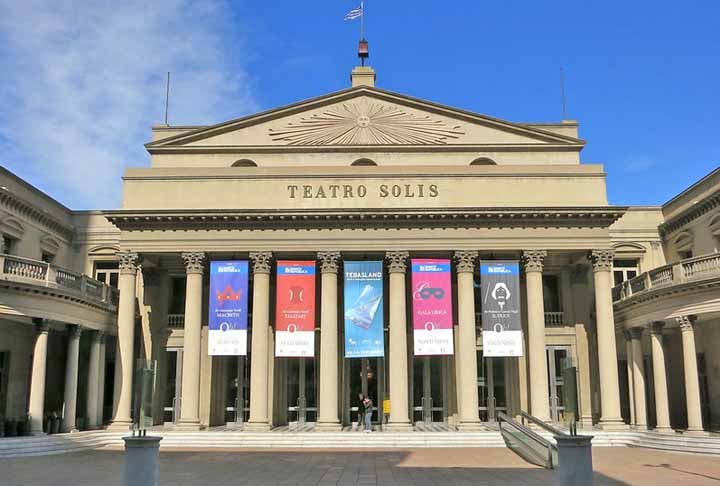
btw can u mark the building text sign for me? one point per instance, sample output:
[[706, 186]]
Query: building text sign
[[362, 191]]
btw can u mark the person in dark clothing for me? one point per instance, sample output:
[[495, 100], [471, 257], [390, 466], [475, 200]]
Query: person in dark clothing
[[368, 414], [361, 410]]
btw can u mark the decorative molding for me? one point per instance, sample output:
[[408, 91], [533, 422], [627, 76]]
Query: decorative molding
[[627, 335], [533, 260], [194, 262], [691, 213], [128, 262], [397, 261], [466, 218], [26, 209], [74, 331], [366, 123], [329, 261], [465, 261], [686, 323], [98, 337], [262, 261], [656, 327], [636, 332], [602, 260], [41, 325]]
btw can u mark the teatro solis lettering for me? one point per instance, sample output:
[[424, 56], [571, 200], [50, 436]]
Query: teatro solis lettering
[[349, 191]]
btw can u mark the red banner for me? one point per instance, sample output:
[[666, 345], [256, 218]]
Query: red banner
[[295, 309]]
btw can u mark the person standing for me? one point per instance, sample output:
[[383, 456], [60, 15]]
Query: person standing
[[360, 410], [368, 414]]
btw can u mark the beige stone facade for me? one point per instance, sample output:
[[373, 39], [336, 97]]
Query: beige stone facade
[[361, 174]]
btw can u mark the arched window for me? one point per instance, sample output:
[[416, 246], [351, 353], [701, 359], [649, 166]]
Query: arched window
[[483, 161], [244, 163], [715, 230], [684, 243], [365, 162]]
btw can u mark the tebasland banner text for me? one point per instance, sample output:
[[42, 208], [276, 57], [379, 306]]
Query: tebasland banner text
[[363, 310]]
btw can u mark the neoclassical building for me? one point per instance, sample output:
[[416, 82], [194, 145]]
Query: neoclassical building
[[628, 297]]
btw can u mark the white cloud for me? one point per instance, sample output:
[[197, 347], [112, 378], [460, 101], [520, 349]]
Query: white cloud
[[82, 82]]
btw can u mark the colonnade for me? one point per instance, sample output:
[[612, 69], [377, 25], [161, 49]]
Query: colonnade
[[95, 373], [636, 375], [396, 265]]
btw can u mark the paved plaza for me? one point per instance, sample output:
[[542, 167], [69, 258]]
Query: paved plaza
[[614, 466]]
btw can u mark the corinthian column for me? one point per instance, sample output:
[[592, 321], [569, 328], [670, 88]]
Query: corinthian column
[[93, 382], [328, 416], [128, 263], [692, 385], [192, 336], [262, 263], [36, 408], [602, 261], [537, 355], [631, 386], [662, 410], [638, 377], [71, 378], [397, 266], [466, 352]]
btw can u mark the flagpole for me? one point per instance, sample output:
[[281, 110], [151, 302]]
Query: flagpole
[[362, 21]]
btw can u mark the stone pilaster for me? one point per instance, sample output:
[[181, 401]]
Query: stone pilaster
[[93, 381], [262, 265], [662, 409], [71, 379], [398, 362], [36, 409], [692, 384], [638, 377], [328, 418]]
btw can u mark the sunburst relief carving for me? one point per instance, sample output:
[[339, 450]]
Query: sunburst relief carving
[[366, 124]]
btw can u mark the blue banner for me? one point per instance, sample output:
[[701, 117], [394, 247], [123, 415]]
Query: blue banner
[[364, 322], [228, 319]]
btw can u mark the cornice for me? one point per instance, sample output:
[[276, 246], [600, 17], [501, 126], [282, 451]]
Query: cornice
[[693, 212], [28, 210], [158, 220]]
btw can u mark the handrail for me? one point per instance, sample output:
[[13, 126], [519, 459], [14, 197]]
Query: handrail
[[530, 433], [541, 424], [527, 452]]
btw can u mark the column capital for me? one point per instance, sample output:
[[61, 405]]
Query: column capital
[[397, 261], [533, 260], [74, 331], [465, 260], [194, 262], [329, 261], [602, 260], [41, 325], [262, 261], [656, 327], [636, 332], [128, 262], [98, 336], [627, 335], [151, 277], [686, 323]]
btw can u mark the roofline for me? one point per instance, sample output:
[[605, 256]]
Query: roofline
[[693, 186], [33, 188]]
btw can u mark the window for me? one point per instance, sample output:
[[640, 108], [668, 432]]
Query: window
[[625, 269], [8, 245], [177, 296], [684, 243], [483, 161], [47, 257], [107, 272], [364, 162], [244, 163], [551, 293]]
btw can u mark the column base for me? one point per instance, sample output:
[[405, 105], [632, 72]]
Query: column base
[[328, 427], [188, 425], [256, 427], [613, 424], [664, 430], [398, 427], [695, 432], [119, 426]]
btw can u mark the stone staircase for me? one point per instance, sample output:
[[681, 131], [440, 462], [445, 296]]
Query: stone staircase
[[219, 439]]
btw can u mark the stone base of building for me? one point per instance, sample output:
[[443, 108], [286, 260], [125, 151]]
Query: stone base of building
[[189, 426], [398, 427], [256, 427], [470, 427], [119, 426], [328, 427], [612, 425], [664, 430], [695, 432]]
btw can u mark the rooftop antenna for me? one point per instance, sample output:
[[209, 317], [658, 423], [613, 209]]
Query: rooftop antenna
[[167, 97], [562, 92]]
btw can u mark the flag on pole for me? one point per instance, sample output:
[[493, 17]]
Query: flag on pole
[[355, 13]]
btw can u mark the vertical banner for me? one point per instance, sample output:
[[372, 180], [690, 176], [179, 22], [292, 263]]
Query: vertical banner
[[364, 336], [502, 329], [227, 322], [432, 307], [295, 310]]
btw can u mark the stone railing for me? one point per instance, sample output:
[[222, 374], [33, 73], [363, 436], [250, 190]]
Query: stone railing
[[684, 271], [45, 274], [176, 321]]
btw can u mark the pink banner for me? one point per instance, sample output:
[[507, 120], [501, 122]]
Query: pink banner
[[432, 307]]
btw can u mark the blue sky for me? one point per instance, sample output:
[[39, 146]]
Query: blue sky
[[80, 87]]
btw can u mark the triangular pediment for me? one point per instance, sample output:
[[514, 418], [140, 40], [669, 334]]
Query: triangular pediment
[[364, 116]]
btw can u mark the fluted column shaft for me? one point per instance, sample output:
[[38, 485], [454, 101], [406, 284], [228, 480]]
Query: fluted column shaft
[[466, 351], [537, 355], [71, 378], [192, 338], [36, 407], [128, 263], [262, 263], [607, 349], [328, 416], [692, 384], [397, 266], [662, 410], [638, 377]]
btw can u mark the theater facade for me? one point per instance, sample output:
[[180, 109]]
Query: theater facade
[[275, 266]]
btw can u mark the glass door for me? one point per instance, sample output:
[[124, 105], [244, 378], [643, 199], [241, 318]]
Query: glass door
[[173, 386], [492, 396], [301, 386], [366, 376], [237, 394], [429, 389], [558, 358]]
